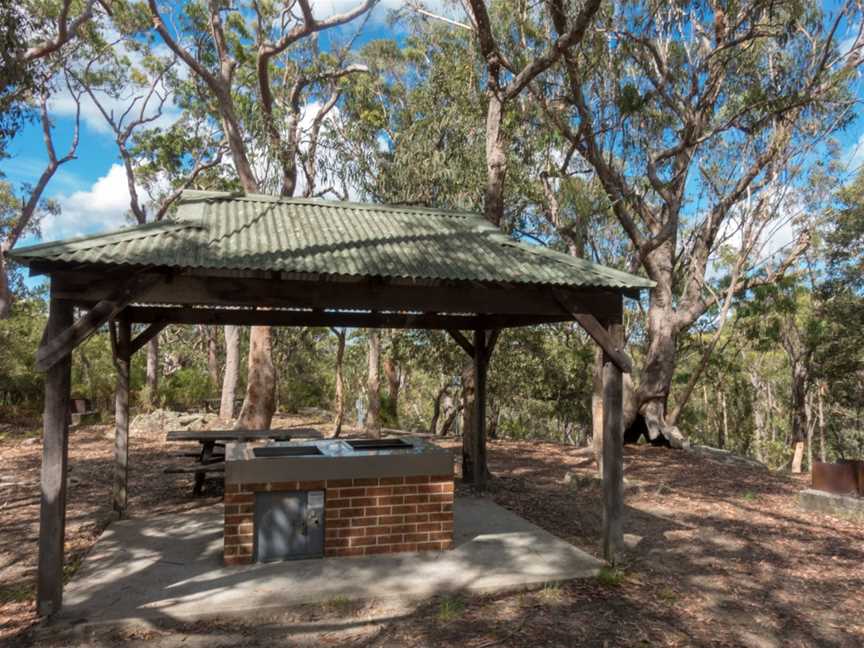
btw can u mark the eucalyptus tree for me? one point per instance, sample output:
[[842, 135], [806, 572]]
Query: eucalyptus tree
[[839, 358], [701, 121], [260, 64], [163, 148]]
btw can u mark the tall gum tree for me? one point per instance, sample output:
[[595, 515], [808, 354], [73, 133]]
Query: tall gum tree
[[264, 36], [130, 87], [697, 119]]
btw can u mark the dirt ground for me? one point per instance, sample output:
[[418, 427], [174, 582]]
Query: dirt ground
[[719, 555]]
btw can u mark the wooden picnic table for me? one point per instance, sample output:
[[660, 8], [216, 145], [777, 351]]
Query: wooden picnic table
[[209, 461]]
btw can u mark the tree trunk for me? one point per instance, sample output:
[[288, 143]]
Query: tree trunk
[[597, 410], [467, 420], [373, 385], [260, 402], [391, 372], [5, 290], [758, 418], [232, 372], [212, 355], [492, 431], [451, 418], [659, 368], [340, 383], [799, 414], [436, 409], [821, 414], [808, 410], [496, 159], [723, 432], [153, 369]]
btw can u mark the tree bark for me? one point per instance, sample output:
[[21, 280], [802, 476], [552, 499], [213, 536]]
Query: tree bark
[[153, 369], [468, 412], [436, 409], [212, 354], [821, 414], [260, 402], [391, 372], [659, 368], [450, 420], [496, 159], [232, 372], [340, 383], [5, 289], [722, 432], [808, 409], [759, 417], [373, 385], [597, 410]]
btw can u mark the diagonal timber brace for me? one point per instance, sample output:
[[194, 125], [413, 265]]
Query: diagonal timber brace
[[51, 351], [599, 334], [145, 336], [462, 341]]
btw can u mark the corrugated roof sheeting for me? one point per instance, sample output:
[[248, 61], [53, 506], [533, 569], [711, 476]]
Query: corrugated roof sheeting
[[225, 231]]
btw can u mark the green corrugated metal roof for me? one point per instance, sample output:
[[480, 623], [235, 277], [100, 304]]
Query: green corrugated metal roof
[[256, 232]]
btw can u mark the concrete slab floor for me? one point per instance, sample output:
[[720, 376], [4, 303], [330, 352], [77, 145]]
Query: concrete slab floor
[[170, 568]]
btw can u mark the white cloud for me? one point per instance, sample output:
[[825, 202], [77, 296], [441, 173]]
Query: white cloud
[[326, 8], [100, 208]]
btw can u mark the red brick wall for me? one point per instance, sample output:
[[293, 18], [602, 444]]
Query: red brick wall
[[363, 516]]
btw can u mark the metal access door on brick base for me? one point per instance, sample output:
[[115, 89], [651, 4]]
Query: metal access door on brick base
[[289, 525]]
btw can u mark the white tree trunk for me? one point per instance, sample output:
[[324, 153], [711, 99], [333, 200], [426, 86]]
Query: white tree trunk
[[232, 372]]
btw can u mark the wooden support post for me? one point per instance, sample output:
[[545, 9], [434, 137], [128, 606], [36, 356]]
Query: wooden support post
[[478, 445], [613, 450], [55, 450], [122, 361]]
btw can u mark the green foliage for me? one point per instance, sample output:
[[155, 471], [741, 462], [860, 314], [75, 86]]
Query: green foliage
[[450, 608], [19, 339], [185, 389], [610, 576], [17, 78]]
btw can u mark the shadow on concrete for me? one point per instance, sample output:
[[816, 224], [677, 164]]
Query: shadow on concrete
[[170, 568]]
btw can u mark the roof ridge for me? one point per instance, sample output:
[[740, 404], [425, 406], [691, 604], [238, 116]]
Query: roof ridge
[[194, 195]]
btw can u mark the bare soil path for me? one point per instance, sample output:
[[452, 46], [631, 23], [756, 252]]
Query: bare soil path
[[720, 556]]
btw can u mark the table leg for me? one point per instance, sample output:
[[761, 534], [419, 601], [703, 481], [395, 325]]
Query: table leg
[[206, 455]]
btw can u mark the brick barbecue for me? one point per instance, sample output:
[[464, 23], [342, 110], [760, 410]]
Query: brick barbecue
[[377, 496]]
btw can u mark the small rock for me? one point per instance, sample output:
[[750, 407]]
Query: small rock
[[631, 540]]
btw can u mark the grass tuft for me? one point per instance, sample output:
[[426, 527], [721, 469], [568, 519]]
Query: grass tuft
[[551, 592], [339, 604], [17, 593], [450, 607], [610, 576]]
